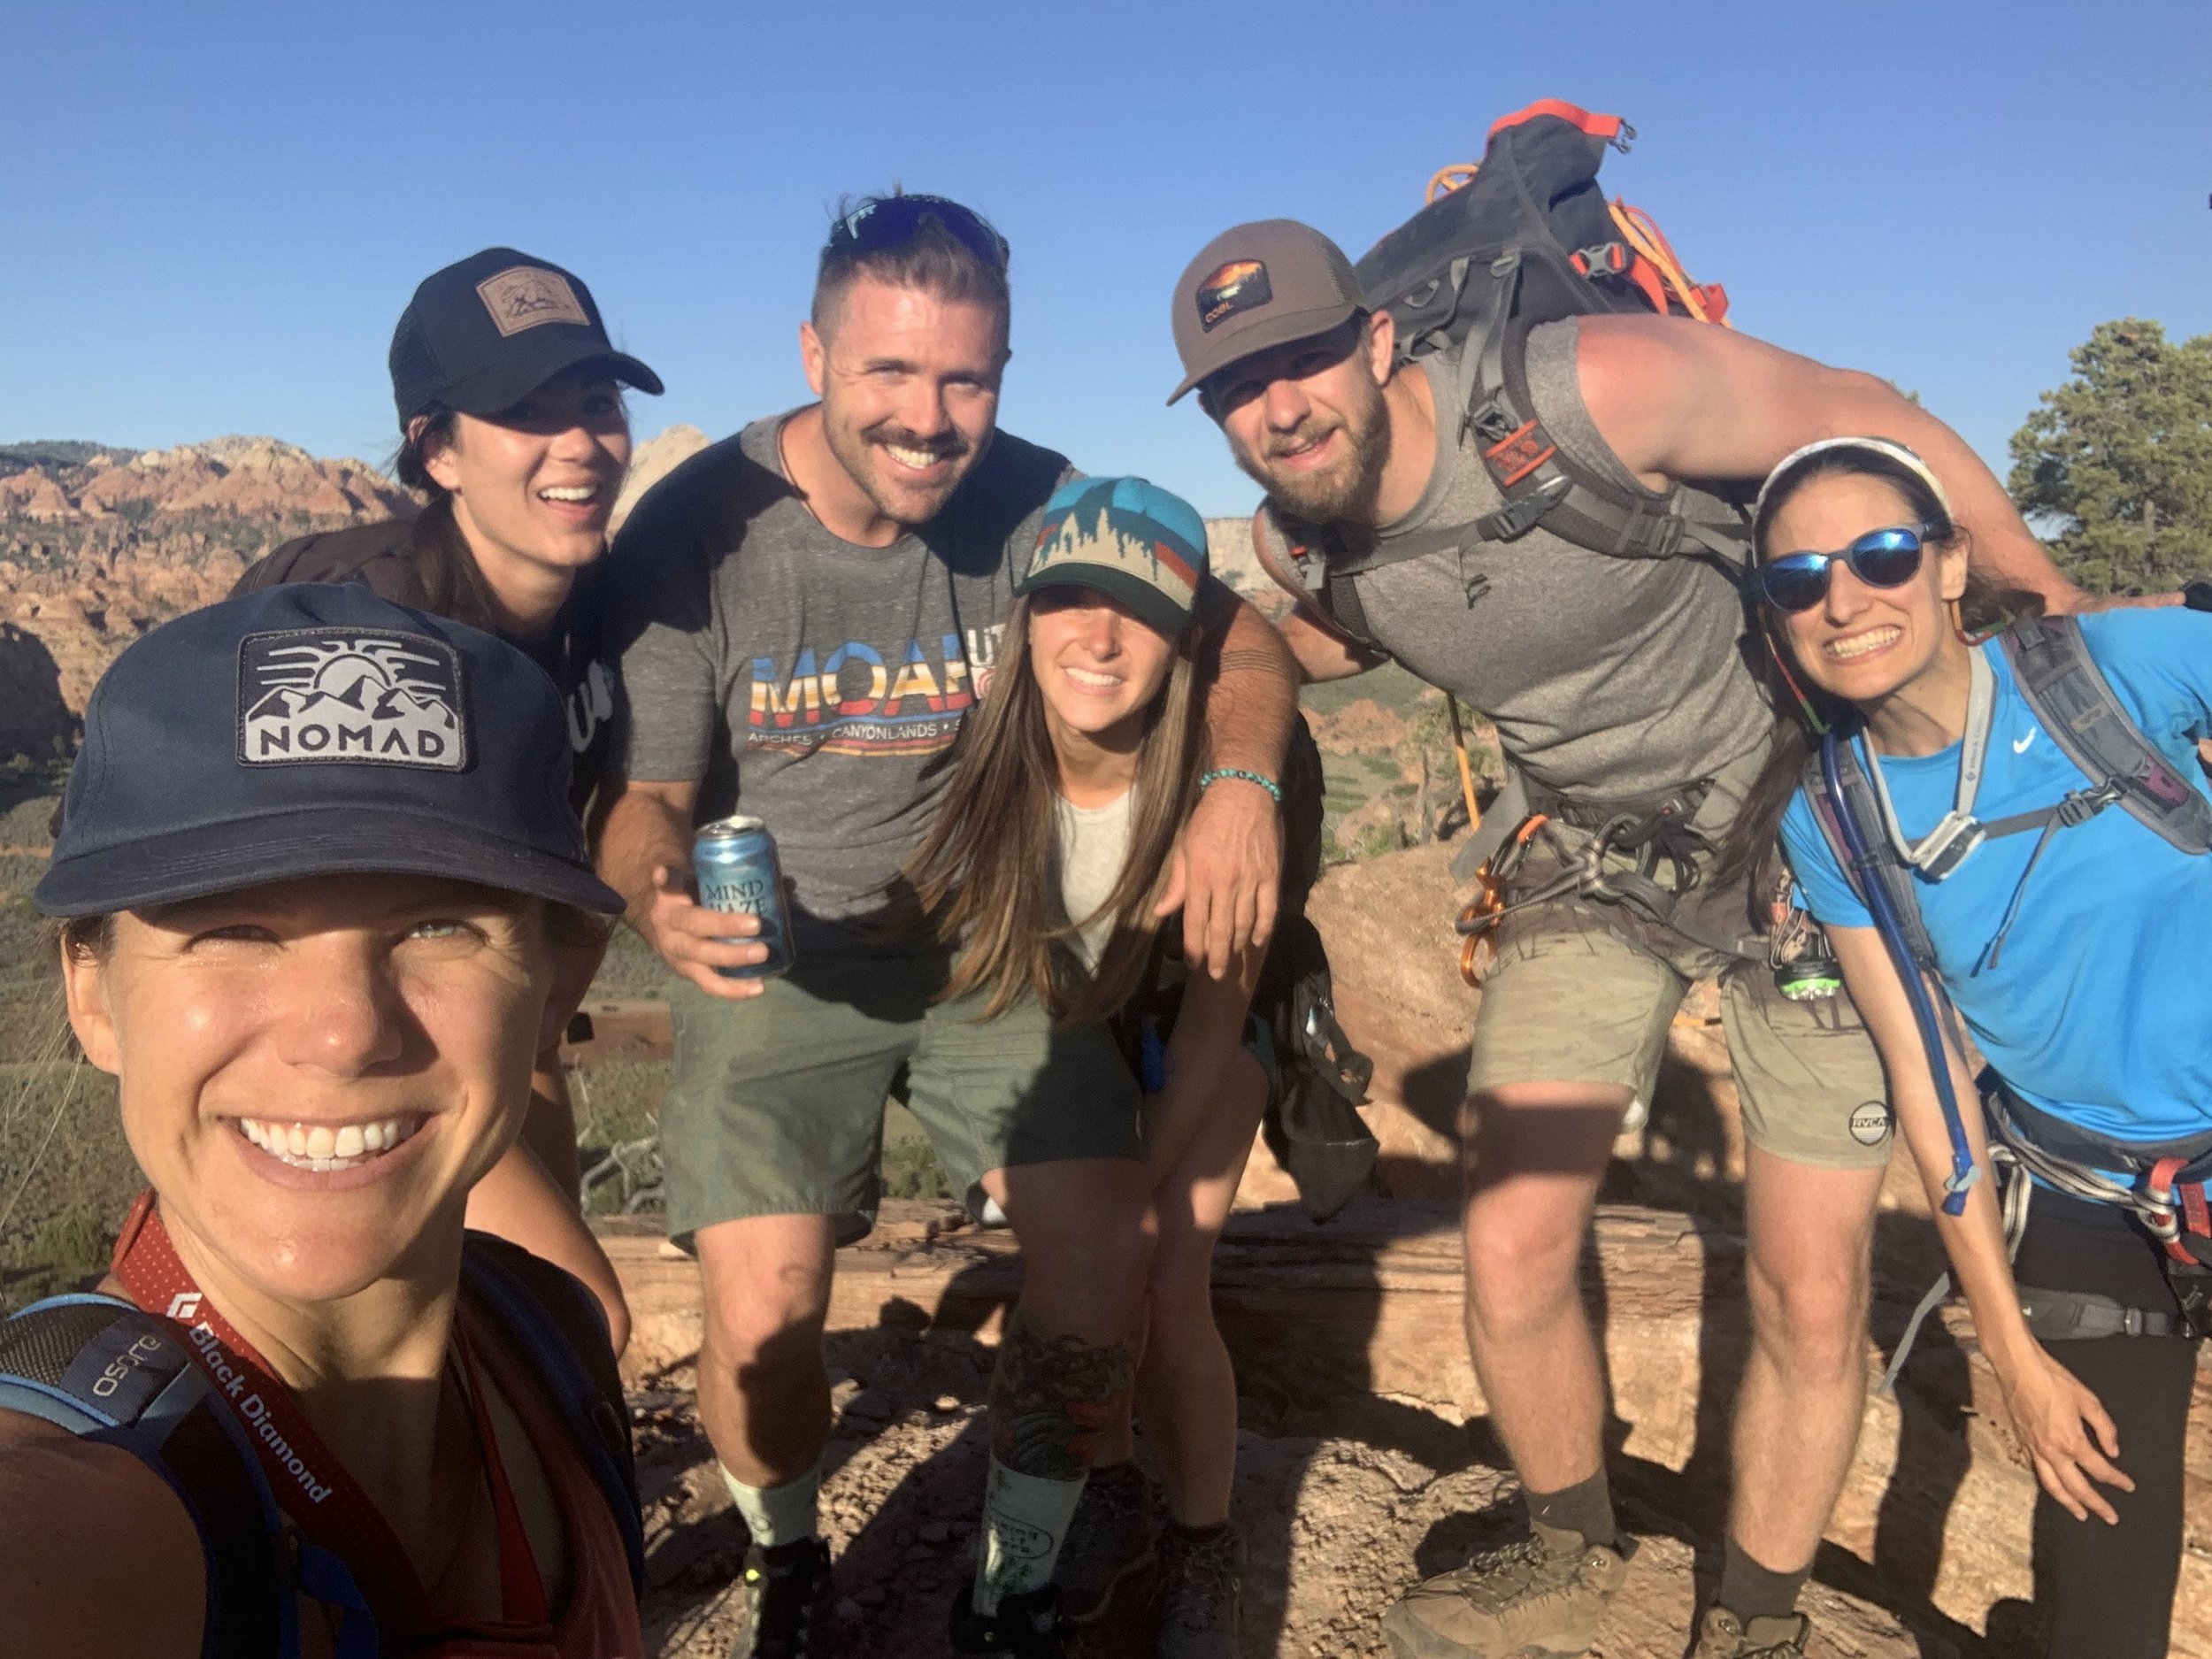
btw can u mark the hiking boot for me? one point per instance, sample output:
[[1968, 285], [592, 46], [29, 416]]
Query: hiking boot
[[1724, 1636], [1538, 1599], [1110, 1538], [789, 1605], [1201, 1585], [1025, 1626]]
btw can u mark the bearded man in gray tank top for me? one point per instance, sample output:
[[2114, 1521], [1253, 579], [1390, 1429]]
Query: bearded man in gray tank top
[[805, 613], [1619, 687]]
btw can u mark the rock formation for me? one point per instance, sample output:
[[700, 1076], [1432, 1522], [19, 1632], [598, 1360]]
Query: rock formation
[[97, 545]]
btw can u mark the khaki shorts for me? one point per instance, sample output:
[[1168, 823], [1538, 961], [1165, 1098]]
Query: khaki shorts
[[1584, 992], [776, 1104]]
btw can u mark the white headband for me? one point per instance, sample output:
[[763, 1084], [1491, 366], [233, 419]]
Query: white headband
[[1895, 451]]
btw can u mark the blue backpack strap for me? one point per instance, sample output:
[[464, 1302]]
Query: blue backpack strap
[[1843, 800], [2077, 705], [1853, 798], [108, 1371], [558, 1325]]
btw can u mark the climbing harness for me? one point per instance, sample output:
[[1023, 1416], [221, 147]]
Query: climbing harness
[[1608, 853]]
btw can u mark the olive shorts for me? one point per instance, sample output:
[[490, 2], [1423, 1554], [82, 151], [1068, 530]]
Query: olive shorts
[[1582, 992], [776, 1104]]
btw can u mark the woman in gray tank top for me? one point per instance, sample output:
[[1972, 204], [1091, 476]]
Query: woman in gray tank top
[[1046, 867]]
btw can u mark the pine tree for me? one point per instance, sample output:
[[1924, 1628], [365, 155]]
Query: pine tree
[[2118, 461]]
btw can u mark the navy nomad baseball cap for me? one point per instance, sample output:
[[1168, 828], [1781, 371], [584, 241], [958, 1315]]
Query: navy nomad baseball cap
[[313, 729], [482, 334]]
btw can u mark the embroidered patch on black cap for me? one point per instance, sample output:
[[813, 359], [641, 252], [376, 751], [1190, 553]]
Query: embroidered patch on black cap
[[524, 296], [1236, 286], [370, 695]]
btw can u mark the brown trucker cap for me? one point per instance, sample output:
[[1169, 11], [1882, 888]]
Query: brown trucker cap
[[1257, 286]]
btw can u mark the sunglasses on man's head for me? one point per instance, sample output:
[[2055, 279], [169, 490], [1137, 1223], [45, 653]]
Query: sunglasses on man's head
[[1880, 558], [890, 221]]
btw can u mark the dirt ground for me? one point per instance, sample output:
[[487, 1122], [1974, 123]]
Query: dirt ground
[[1343, 1502]]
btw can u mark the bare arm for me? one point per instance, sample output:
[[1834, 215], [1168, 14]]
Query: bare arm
[[641, 832], [2052, 1411], [521, 1203], [1677, 399], [1231, 856], [1209, 1030], [101, 1559], [1321, 653]]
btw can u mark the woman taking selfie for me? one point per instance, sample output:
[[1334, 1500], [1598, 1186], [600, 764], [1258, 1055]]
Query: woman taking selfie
[[319, 893], [1047, 866], [2035, 855], [513, 430]]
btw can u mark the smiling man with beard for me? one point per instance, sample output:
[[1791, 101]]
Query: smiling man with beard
[[806, 613], [1624, 699]]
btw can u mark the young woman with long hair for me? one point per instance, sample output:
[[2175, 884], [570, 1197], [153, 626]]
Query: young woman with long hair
[[320, 900], [2070, 942], [513, 433], [1047, 868]]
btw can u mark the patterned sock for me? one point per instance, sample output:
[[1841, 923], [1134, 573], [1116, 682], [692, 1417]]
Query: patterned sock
[[1585, 1507], [1024, 1522], [1750, 1591], [778, 1514]]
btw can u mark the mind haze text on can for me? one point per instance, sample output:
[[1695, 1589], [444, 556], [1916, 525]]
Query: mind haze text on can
[[734, 861]]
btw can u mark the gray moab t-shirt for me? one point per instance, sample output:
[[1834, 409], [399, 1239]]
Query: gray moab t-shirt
[[807, 681], [1608, 678]]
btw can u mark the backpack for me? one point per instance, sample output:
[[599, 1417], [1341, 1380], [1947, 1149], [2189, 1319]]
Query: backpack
[[1522, 238], [2071, 700], [1311, 1126], [107, 1370]]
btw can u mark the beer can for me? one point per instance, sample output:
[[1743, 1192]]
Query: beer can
[[734, 860]]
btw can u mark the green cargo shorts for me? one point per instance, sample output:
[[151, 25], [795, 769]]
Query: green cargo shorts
[[1584, 992], [776, 1104]]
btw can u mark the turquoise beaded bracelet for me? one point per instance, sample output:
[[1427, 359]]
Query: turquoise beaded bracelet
[[1219, 773]]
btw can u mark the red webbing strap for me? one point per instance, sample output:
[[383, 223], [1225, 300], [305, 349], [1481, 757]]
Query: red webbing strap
[[521, 1586], [1604, 127], [1520, 452], [311, 1485], [2159, 1184]]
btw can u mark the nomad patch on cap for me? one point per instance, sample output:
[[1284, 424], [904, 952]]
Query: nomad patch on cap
[[311, 695], [1128, 538], [315, 729]]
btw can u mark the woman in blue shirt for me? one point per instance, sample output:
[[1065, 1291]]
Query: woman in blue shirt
[[2080, 979]]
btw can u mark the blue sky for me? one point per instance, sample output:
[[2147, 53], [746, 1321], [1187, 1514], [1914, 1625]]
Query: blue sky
[[211, 216]]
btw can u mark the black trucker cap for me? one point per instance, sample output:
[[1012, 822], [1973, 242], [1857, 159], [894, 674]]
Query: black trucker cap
[[1256, 286], [481, 336], [311, 729]]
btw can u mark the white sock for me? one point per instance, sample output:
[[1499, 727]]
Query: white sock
[[1024, 1522], [778, 1514]]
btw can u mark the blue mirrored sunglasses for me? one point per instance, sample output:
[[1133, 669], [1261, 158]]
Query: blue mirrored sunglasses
[[1880, 558], [890, 221]]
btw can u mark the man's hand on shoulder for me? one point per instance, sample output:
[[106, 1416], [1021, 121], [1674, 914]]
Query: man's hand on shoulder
[[1225, 874]]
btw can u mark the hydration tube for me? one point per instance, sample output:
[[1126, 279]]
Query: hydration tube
[[1891, 928]]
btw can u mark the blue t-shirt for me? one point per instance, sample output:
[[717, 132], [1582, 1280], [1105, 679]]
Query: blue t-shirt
[[2099, 1007]]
